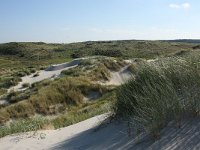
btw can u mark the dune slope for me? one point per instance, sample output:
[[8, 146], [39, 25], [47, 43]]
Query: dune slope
[[90, 135]]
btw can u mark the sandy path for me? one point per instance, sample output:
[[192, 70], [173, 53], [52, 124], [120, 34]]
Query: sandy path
[[86, 135]]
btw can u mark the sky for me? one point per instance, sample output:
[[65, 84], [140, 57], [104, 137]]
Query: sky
[[65, 21]]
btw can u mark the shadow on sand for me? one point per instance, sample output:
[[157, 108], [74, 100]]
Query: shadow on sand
[[107, 136], [113, 136]]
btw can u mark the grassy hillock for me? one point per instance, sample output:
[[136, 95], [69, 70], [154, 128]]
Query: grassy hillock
[[162, 91], [49, 98], [96, 69]]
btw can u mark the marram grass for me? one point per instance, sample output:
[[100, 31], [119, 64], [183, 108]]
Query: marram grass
[[160, 92]]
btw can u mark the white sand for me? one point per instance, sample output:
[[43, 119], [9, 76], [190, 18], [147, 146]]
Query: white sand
[[86, 135], [152, 60], [120, 77], [2, 102], [51, 72], [48, 139]]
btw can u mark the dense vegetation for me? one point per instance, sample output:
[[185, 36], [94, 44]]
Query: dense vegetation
[[161, 91], [129, 49]]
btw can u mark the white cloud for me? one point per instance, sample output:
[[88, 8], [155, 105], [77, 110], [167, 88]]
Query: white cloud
[[180, 6], [186, 5]]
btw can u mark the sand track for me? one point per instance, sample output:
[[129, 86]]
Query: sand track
[[95, 134]]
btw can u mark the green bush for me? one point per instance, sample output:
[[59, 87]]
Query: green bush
[[2, 91], [21, 110], [36, 74], [26, 85], [16, 96], [4, 116], [110, 53], [21, 74], [33, 70], [7, 82]]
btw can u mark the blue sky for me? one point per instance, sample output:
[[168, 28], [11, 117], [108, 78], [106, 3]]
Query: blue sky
[[67, 21]]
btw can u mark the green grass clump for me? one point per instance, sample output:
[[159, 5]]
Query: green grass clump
[[16, 96], [114, 65], [74, 72], [7, 82], [36, 74], [21, 74], [26, 85], [103, 105], [133, 68], [161, 91], [101, 73], [4, 116], [3, 91], [24, 125], [21, 110]]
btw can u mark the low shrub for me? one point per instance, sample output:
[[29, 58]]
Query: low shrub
[[42, 67], [110, 53], [2, 91], [4, 116], [21, 110], [16, 96], [33, 70], [36, 74], [26, 85], [7, 82], [21, 74]]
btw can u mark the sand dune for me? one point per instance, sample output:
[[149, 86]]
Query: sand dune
[[119, 77], [95, 134], [51, 72], [54, 71]]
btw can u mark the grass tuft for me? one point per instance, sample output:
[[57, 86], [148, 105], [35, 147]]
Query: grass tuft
[[161, 91]]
